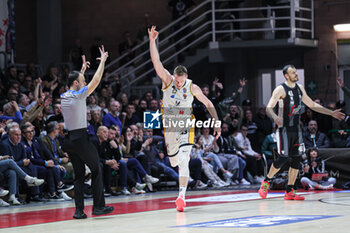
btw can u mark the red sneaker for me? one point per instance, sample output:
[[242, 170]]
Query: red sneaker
[[264, 188], [293, 196], [180, 203]]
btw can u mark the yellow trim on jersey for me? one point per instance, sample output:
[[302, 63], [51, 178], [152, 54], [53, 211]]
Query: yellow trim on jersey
[[172, 80], [191, 88], [191, 133]]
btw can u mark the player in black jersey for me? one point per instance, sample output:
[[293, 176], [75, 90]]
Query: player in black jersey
[[290, 145]]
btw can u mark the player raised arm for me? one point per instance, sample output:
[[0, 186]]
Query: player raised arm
[[197, 92], [319, 108], [99, 72], [277, 94], [164, 75]]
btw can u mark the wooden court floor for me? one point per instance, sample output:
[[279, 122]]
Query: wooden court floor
[[206, 211]]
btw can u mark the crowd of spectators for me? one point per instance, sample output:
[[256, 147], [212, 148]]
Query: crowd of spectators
[[133, 159]]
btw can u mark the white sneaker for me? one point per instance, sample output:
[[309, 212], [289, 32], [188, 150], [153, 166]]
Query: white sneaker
[[228, 175], [232, 183], [244, 182], [135, 190], [218, 184], [201, 185], [140, 186], [35, 182], [3, 192], [223, 183], [14, 201], [64, 196], [150, 179], [125, 191], [3, 203]]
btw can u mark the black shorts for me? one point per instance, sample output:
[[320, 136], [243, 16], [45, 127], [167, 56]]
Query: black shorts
[[288, 141]]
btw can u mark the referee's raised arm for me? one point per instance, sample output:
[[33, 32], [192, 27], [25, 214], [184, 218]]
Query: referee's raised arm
[[99, 72]]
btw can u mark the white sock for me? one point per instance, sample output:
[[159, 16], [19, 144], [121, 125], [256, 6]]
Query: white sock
[[28, 178], [12, 197], [182, 191]]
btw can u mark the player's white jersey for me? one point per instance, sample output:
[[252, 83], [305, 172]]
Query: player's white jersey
[[178, 102]]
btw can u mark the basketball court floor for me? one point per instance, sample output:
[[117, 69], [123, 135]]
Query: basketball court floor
[[206, 211]]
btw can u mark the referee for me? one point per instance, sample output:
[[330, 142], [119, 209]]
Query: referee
[[81, 151]]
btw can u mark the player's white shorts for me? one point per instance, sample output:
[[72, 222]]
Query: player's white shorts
[[175, 139]]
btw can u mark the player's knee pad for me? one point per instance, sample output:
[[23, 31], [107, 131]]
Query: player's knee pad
[[184, 158], [280, 162], [295, 164]]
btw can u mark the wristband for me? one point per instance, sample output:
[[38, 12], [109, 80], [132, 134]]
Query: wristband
[[45, 164], [60, 160]]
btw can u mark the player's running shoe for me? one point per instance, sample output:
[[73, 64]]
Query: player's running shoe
[[264, 188], [180, 203], [293, 196]]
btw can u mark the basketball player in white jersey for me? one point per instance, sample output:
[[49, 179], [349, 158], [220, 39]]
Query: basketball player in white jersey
[[178, 95]]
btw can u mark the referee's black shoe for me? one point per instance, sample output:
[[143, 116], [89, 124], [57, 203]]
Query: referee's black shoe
[[102, 210], [79, 214]]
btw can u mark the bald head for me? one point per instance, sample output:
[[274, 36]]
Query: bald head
[[15, 135], [102, 133]]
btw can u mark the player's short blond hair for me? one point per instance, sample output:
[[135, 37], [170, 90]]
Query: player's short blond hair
[[180, 70]]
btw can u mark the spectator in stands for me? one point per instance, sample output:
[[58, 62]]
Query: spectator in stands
[[50, 79], [252, 158], [92, 103], [133, 163], [12, 146], [235, 113], [10, 168], [197, 153], [150, 149], [315, 165], [39, 155], [269, 146], [10, 76], [252, 130], [116, 142], [96, 120], [313, 138], [109, 160], [23, 103], [154, 105], [39, 124], [142, 107], [31, 70], [52, 143], [224, 106], [209, 147], [11, 112], [28, 85], [264, 124], [112, 117], [229, 156], [148, 96], [57, 114], [130, 117], [339, 134]]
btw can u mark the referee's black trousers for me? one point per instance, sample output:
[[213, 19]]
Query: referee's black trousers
[[81, 151]]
